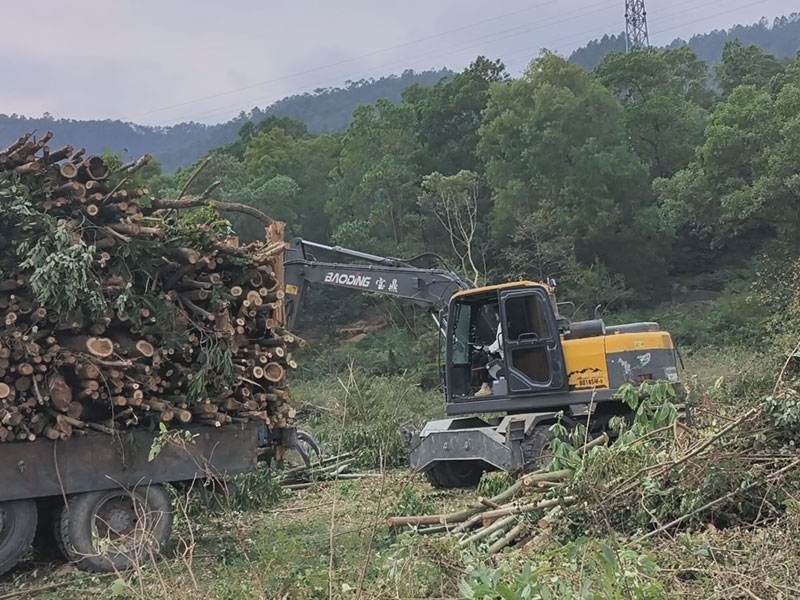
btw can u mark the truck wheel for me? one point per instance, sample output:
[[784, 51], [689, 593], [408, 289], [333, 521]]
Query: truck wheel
[[111, 530], [55, 525], [17, 528], [455, 474], [536, 449]]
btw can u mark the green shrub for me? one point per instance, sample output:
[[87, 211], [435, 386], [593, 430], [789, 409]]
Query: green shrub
[[388, 352], [258, 489], [581, 570], [362, 413], [412, 502], [493, 483]]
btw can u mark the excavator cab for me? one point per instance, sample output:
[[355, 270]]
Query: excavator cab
[[528, 357]]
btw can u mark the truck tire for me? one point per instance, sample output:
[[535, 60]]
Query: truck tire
[[129, 526], [536, 449], [17, 531], [455, 474], [55, 526]]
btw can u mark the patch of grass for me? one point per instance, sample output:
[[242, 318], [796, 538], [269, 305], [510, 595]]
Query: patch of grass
[[723, 380], [282, 552], [494, 482], [387, 352], [362, 413], [412, 501]]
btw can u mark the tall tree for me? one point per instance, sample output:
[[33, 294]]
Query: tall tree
[[449, 115], [745, 178], [745, 65], [285, 151], [666, 102], [456, 201], [555, 141], [376, 182]]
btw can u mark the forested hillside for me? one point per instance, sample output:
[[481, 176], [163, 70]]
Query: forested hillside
[[331, 109], [323, 110], [780, 38], [630, 184]]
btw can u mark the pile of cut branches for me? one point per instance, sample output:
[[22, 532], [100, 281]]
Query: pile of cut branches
[[660, 475], [119, 309], [326, 470]]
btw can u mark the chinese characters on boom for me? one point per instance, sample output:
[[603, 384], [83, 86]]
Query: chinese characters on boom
[[361, 281]]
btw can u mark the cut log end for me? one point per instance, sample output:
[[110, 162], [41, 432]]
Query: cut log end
[[273, 372], [100, 347], [145, 348]]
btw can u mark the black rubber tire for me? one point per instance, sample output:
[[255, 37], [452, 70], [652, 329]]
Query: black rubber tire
[[151, 510], [455, 474], [55, 524], [536, 449], [18, 530]]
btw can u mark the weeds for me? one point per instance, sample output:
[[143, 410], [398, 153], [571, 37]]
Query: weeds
[[583, 569], [374, 409], [411, 502], [493, 483], [263, 543]]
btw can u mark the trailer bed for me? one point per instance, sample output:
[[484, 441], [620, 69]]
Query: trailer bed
[[98, 461]]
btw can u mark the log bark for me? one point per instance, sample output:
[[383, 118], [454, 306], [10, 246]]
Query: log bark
[[60, 393], [137, 361], [525, 508], [509, 537]]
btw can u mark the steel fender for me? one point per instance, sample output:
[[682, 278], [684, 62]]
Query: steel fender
[[458, 423], [483, 444], [531, 420]]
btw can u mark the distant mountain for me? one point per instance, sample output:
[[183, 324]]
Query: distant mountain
[[324, 110], [330, 109], [781, 38]]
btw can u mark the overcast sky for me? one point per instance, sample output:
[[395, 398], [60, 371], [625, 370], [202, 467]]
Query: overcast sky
[[161, 62]]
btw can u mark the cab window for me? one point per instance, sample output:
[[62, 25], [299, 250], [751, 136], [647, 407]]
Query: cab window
[[526, 315], [461, 331]]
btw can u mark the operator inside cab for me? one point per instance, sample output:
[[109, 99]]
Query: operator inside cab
[[490, 352]]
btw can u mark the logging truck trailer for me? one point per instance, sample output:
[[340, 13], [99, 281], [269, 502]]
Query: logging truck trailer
[[543, 368], [105, 498]]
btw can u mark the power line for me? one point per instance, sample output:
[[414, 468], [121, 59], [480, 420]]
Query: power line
[[345, 61], [738, 8], [406, 62], [583, 36]]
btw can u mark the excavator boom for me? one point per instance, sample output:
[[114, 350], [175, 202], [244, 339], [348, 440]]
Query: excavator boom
[[428, 288]]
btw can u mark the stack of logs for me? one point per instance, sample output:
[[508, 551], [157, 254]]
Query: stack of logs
[[186, 330]]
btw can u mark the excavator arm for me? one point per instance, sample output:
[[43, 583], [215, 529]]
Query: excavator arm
[[428, 288]]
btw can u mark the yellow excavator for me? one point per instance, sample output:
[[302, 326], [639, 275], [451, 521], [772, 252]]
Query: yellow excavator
[[544, 368]]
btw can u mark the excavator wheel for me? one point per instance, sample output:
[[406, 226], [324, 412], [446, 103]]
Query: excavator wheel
[[17, 530], [536, 449], [455, 474]]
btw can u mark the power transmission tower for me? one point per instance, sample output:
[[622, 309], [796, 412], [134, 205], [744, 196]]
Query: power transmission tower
[[635, 25]]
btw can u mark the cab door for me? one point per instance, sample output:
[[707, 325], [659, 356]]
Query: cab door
[[533, 354]]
